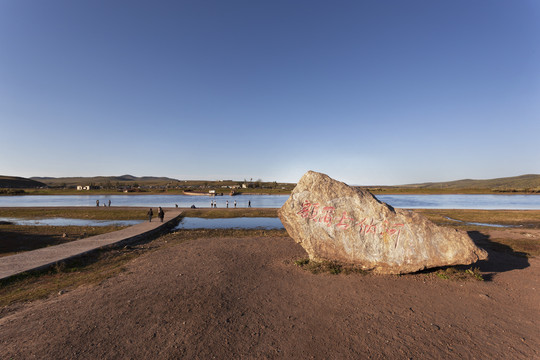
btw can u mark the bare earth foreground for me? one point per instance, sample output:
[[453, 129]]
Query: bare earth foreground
[[243, 297]]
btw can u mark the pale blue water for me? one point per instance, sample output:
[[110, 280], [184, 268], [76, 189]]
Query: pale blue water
[[481, 224], [480, 202], [486, 202], [230, 223], [261, 201], [186, 223], [70, 222]]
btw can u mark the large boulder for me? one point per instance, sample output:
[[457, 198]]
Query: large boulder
[[333, 221]]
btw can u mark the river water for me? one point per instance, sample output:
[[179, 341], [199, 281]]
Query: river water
[[231, 223], [486, 202]]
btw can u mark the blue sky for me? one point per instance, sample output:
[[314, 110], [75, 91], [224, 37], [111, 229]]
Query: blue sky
[[369, 92]]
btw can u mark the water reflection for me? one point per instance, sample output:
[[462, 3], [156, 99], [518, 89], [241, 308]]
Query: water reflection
[[481, 224], [69, 222], [266, 223], [184, 201], [485, 202], [479, 202]]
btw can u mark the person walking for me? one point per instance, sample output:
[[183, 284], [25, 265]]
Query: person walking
[[150, 213], [161, 214]]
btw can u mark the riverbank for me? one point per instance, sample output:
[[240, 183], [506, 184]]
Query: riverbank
[[520, 236]]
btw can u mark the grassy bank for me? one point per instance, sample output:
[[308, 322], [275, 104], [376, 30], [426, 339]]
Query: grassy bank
[[127, 213], [522, 218], [230, 213], [90, 213], [17, 238]]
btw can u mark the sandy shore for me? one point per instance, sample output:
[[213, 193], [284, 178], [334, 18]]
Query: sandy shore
[[244, 298]]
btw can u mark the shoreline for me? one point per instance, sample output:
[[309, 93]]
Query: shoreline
[[397, 191]]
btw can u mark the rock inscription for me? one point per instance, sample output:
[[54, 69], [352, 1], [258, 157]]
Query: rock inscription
[[333, 221]]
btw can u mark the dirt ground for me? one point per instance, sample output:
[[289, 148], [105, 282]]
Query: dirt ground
[[243, 298]]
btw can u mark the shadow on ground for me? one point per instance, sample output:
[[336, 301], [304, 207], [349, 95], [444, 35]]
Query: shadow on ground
[[501, 258], [13, 241]]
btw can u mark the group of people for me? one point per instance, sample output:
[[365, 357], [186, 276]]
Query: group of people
[[161, 214], [97, 203], [227, 204], [213, 204]]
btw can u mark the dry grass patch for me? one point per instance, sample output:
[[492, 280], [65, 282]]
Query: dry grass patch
[[453, 273], [329, 267], [18, 238], [90, 213], [230, 213], [521, 218], [87, 270]]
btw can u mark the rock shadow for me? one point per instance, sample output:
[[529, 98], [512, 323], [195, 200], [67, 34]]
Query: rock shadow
[[501, 258], [14, 242]]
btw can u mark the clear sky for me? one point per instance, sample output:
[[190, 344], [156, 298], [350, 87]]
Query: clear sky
[[369, 92]]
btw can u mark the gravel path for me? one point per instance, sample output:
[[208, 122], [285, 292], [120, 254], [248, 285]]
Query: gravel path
[[41, 258]]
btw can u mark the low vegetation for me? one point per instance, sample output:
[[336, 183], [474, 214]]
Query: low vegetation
[[89, 213], [453, 273], [230, 213], [335, 268], [329, 267], [521, 218]]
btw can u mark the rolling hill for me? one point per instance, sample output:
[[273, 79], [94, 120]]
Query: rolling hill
[[102, 180], [14, 182], [516, 183]]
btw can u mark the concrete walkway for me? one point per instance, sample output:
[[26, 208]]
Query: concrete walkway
[[44, 257]]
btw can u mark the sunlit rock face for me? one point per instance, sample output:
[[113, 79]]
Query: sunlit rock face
[[333, 221]]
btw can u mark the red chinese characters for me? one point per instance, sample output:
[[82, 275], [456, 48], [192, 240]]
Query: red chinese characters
[[366, 226], [327, 215]]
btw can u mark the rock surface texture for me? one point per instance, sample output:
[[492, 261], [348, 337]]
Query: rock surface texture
[[333, 221]]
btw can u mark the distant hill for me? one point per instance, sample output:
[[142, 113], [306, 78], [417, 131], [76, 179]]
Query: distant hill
[[529, 182], [14, 182], [102, 180]]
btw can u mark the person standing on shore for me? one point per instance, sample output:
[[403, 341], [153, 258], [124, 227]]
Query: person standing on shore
[[161, 214], [235, 204], [249, 203], [97, 203], [109, 202], [227, 204], [150, 213]]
